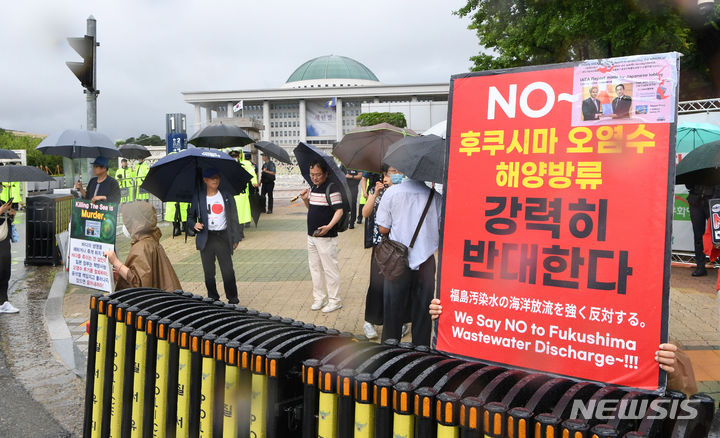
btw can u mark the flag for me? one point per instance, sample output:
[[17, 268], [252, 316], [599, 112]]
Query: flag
[[331, 103], [238, 106]]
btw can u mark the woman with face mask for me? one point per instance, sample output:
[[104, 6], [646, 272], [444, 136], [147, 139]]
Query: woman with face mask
[[374, 297], [146, 265]]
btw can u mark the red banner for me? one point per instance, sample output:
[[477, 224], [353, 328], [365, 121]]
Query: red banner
[[555, 250]]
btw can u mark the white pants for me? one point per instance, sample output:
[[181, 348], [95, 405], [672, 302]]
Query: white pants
[[324, 269]]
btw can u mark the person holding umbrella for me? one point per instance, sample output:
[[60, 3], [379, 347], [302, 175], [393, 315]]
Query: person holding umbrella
[[322, 238], [213, 216], [267, 180], [102, 187], [410, 214]]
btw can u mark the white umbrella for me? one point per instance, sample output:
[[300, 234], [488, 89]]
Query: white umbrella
[[437, 129]]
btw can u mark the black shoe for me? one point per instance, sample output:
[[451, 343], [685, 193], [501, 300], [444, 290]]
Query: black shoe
[[359, 221], [699, 272], [351, 226], [269, 212]]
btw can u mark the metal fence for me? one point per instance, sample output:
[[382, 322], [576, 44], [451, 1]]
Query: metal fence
[[180, 365]]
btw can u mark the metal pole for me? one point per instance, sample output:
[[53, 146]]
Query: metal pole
[[91, 99]]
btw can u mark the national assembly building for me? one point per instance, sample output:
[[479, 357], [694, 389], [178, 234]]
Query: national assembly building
[[319, 103]]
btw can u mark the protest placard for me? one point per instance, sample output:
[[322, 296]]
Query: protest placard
[[555, 251], [92, 232]]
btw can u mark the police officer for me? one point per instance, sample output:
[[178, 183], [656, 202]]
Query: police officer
[[141, 172], [125, 178]]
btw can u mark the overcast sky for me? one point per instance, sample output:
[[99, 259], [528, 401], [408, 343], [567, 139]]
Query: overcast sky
[[151, 51]]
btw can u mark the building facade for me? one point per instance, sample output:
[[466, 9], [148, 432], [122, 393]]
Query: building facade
[[320, 102]]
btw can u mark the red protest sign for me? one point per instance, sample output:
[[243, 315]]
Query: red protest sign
[[555, 251]]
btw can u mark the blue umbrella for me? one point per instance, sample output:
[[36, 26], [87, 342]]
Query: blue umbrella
[[305, 153], [177, 177], [78, 143]]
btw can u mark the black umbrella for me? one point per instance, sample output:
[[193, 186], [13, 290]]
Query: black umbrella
[[700, 166], [220, 136], [176, 177], [7, 154], [133, 151], [256, 203], [23, 174], [419, 158], [77, 143], [305, 153], [274, 151]]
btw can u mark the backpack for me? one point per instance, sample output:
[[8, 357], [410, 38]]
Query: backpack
[[344, 222]]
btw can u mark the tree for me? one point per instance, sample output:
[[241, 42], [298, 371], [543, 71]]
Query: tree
[[8, 140], [369, 119], [145, 140], [531, 32]]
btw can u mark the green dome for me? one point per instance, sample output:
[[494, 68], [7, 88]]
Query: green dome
[[332, 67]]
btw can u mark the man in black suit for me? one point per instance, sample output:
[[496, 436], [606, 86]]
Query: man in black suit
[[213, 216], [622, 103], [591, 107]]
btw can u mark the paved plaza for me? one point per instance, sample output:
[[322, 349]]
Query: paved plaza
[[273, 276]]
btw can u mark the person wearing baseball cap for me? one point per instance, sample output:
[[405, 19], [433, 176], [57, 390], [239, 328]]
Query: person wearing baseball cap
[[102, 187]]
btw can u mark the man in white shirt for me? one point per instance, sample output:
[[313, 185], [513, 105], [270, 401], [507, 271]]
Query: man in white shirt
[[398, 215], [214, 218]]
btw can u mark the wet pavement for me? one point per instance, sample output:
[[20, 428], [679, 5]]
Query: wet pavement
[[29, 357]]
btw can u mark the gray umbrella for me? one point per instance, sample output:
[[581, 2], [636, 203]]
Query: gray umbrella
[[133, 151], [420, 158], [7, 154], [220, 136], [23, 173], [77, 143]]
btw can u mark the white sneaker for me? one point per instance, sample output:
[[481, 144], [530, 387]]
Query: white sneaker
[[8, 308], [405, 329], [369, 330], [331, 307], [317, 305]]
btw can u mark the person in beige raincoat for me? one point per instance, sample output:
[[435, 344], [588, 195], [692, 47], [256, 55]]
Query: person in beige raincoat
[[146, 265]]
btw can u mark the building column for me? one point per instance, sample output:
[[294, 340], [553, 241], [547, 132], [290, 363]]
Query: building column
[[266, 120], [376, 100], [229, 109], [197, 121], [338, 119], [208, 115], [303, 125]]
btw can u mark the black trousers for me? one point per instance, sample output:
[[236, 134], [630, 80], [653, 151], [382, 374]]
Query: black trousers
[[413, 290], [699, 214], [374, 296], [353, 200], [267, 189], [218, 247], [5, 257]]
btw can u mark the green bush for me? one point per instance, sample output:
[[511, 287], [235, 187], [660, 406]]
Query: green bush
[[369, 119]]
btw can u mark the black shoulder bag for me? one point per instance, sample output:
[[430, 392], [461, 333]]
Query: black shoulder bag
[[392, 256]]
